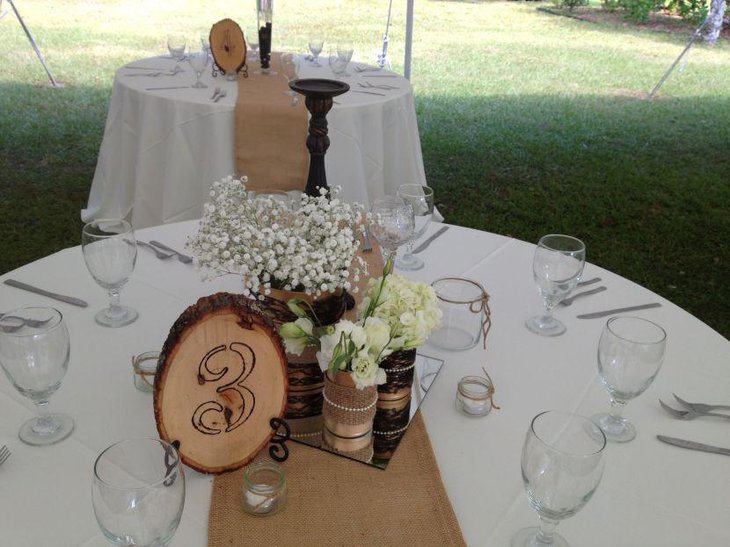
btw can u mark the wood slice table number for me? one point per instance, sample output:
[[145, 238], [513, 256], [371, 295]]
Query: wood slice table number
[[220, 380], [228, 46]]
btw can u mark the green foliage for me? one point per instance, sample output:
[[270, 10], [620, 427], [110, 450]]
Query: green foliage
[[691, 10], [694, 11], [570, 4]]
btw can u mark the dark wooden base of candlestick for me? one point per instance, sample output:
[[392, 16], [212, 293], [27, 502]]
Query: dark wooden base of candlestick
[[319, 94]]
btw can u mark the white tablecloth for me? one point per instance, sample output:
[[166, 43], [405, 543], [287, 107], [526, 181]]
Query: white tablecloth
[[651, 494], [162, 149]]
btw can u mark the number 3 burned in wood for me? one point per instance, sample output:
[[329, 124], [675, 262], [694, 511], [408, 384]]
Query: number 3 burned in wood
[[212, 417]]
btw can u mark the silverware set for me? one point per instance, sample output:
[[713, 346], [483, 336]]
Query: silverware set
[[218, 94], [157, 73], [690, 411], [368, 85], [163, 252]]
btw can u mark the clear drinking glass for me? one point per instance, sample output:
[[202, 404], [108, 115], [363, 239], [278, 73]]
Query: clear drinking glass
[[34, 355], [252, 40], [630, 354], [460, 301], [316, 43], [557, 267], [138, 492], [176, 46], [421, 199], [290, 69], [392, 225], [337, 65], [198, 60], [344, 53], [562, 465], [204, 35], [110, 253]]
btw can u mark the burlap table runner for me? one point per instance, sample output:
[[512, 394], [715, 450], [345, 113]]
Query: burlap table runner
[[270, 133], [335, 501]]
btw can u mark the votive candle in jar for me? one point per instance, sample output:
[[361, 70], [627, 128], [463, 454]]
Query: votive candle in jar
[[474, 396], [264, 488]]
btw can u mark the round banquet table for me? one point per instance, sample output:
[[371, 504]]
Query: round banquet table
[[651, 493], [163, 148]]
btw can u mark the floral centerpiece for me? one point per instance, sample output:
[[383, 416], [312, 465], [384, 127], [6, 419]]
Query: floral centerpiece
[[310, 247], [395, 314]]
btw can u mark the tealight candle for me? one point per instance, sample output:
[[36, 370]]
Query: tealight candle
[[474, 396], [264, 488]]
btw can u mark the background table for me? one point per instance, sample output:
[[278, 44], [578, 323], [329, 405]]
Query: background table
[[163, 149], [651, 494]]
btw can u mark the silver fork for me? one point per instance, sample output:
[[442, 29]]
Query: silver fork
[[162, 255], [700, 407], [4, 454], [690, 414], [568, 301]]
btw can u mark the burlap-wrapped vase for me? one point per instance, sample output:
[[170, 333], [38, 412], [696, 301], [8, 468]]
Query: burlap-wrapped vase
[[348, 414], [394, 403]]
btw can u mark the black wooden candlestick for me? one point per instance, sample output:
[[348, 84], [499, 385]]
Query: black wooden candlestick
[[319, 94]]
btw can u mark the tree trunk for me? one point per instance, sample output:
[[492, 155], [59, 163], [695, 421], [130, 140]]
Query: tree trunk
[[715, 20]]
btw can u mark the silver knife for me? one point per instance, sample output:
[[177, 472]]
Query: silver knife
[[181, 257], [55, 296], [606, 313], [692, 445], [368, 92], [159, 88], [422, 246]]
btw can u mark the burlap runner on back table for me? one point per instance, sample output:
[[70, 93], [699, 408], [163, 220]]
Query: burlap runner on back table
[[336, 501], [270, 133]]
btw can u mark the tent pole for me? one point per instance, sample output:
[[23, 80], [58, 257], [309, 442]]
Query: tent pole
[[54, 83], [409, 40]]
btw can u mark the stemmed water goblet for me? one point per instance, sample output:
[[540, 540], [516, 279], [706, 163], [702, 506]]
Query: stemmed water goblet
[[562, 465], [138, 492], [392, 225], [337, 64], [252, 39], [290, 68], [204, 35], [344, 53], [198, 60], [176, 46], [110, 253], [630, 354], [556, 267], [421, 199], [316, 43], [35, 359]]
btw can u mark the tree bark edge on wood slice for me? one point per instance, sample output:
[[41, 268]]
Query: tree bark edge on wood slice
[[220, 379]]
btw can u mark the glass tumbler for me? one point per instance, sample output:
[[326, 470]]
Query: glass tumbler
[[465, 313]]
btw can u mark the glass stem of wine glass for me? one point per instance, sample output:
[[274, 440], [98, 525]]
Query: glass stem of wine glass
[[617, 410], [389, 259], [45, 425], [114, 303], [546, 530]]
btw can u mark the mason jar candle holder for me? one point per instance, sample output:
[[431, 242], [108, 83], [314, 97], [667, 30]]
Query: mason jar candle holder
[[144, 366], [474, 396], [264, 488], [466, 314]]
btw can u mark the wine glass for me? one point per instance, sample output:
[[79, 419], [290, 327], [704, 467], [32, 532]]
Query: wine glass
[[252, 39], [198, 60], [204, 35], [110, 253], [392, 225], [562, 465], [290, 68], [316, 43], [138, 492], [421, 199], [34, 355], [344, 53], [176, 46], [557, 267], [630, 354], [337, 64]]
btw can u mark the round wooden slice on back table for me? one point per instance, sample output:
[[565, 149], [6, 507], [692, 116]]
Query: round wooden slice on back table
[[228, 46], [220, 379]]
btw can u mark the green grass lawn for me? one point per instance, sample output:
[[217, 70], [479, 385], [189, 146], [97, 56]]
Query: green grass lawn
[[530, 123]]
